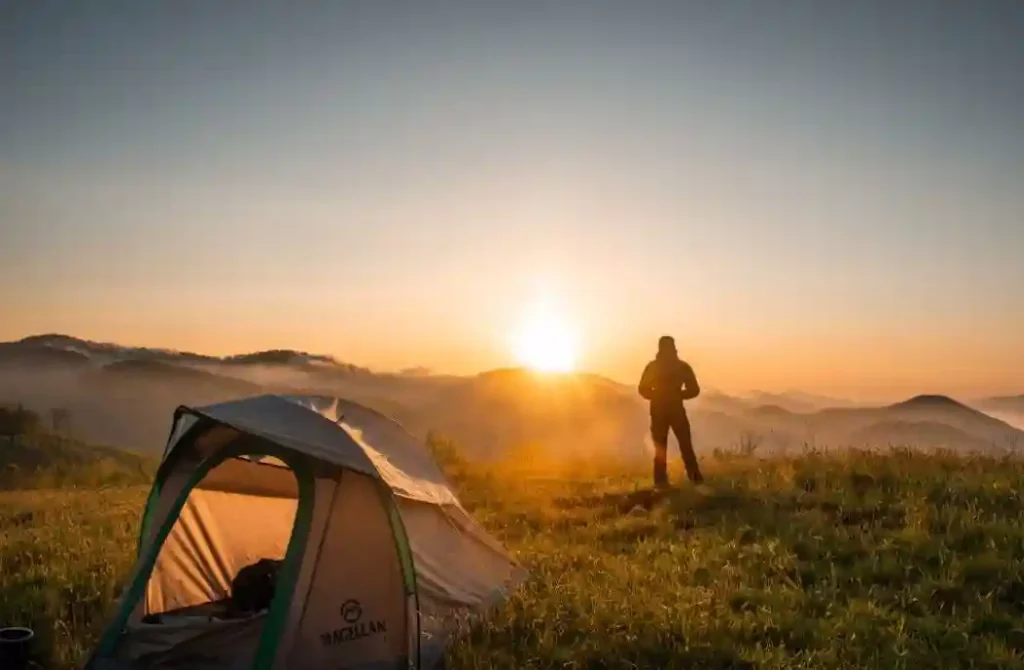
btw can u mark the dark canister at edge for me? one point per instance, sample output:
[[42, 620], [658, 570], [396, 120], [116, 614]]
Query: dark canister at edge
[[15, 647]]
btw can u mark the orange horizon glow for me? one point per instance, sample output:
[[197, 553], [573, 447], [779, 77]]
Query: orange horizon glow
[[547, 339]]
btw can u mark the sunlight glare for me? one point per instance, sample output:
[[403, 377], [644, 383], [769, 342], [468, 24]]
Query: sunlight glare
[[546, 343]]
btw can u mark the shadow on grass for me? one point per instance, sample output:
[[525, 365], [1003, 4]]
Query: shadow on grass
[[781, 513], [623, 503], [630, 656], [576, 648]]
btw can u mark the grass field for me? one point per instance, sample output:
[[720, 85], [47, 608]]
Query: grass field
[[46, 461], [898, 560]]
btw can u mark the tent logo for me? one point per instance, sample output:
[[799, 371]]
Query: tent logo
[[352, 613]]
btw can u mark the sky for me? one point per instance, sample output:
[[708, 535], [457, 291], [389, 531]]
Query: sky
[[816, 195]]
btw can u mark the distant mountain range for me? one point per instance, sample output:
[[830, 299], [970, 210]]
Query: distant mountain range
[[64, 348], [124, 396]]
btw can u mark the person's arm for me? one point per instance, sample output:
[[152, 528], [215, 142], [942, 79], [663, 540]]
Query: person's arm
[[645, 388], [691, 389]]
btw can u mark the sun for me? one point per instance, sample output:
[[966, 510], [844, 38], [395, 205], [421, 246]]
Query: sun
[[546, 343]]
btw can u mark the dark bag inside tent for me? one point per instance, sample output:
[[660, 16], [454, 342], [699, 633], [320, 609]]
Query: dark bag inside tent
[[252, 591]]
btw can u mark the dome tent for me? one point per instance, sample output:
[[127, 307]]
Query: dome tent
[[377, 562]]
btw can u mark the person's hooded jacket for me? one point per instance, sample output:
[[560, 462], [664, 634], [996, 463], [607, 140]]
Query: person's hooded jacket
[[667, 381]]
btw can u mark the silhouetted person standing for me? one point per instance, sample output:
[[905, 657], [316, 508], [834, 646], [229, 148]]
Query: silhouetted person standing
[[666, 382]]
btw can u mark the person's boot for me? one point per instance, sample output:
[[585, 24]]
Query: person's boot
[[660, 474]]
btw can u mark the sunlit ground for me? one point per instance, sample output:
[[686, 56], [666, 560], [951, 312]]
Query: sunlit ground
[[897, 560]]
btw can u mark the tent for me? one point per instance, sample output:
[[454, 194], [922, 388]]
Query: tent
[[375, 561]]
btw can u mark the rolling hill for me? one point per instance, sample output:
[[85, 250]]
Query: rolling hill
[[22, 353], [170, 375], [928, 421], [796, 401], [571, 414], [45, 460], [125, 396]]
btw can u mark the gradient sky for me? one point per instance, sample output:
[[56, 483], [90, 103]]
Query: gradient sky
[[808, 194]]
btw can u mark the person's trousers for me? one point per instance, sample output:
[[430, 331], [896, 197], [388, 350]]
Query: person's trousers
[[679, 423]]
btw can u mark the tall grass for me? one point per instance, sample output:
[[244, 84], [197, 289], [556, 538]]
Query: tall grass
[[896, 560], [40, 460], [63, 556]]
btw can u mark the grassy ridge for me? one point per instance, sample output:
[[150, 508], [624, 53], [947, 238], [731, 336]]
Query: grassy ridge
[[40, 460], [900, 560]]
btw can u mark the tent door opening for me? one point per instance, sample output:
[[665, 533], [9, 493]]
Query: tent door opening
[[219, 565]]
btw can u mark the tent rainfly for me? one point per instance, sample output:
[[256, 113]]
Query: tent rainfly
[[373, 562]]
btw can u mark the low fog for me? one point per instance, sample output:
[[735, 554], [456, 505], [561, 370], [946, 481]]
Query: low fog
[[131, 406], [130, 403]]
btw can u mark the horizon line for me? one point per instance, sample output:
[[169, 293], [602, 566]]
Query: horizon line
[[429, 371]]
